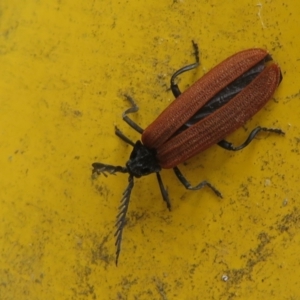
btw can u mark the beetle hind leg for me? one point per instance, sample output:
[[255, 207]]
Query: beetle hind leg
[[229, 146], [199, 186], [174, 86]]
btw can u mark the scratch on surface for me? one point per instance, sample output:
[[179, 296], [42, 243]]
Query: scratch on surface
[[259, 5]]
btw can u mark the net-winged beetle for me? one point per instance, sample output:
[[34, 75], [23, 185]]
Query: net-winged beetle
[[209, 110]]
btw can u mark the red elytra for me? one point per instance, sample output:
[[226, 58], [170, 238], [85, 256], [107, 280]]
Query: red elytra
[[172, 151]]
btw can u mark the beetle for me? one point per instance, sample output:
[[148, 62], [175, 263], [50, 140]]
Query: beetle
[[209, 110]]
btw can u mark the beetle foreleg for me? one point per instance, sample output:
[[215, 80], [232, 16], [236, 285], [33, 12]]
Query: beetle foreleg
[[164, 191], [199, 186], [123, 137], [228, 146], [134, 108], [121, 217], [99, 168], [174, 86]]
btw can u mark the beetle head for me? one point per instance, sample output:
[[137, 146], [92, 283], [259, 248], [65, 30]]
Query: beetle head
[[142, 161]]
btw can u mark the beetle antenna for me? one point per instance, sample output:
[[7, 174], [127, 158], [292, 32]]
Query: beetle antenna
[[121, 217], [99, 168]]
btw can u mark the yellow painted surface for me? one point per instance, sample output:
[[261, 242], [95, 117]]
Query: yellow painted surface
[[64, 67]]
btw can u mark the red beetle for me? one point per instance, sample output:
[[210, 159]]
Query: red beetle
[[212, 108]]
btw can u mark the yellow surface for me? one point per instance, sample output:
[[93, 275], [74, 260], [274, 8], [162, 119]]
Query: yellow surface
[[64, 68]]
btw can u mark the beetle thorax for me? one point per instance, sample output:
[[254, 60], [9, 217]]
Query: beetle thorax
[[142, 161]]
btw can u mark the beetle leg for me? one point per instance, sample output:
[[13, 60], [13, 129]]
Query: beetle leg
[[123, 137], [228, 146], [134, 108], [121, 217], [174, 86], [99, 168], [199, 186], [164, 191]]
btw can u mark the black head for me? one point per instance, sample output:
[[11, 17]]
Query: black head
[[142, 161]]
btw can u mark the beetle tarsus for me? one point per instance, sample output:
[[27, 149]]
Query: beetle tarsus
[[229, 146], [134, 108], [199, 186], [121, 218], [196, 52], [164, 191]]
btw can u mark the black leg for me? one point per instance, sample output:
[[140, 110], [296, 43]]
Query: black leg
[[174, 86], [188, 186], [228, 146], [123, 137], [134, 108], [99, 168], [164, 191], [121, 218]]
